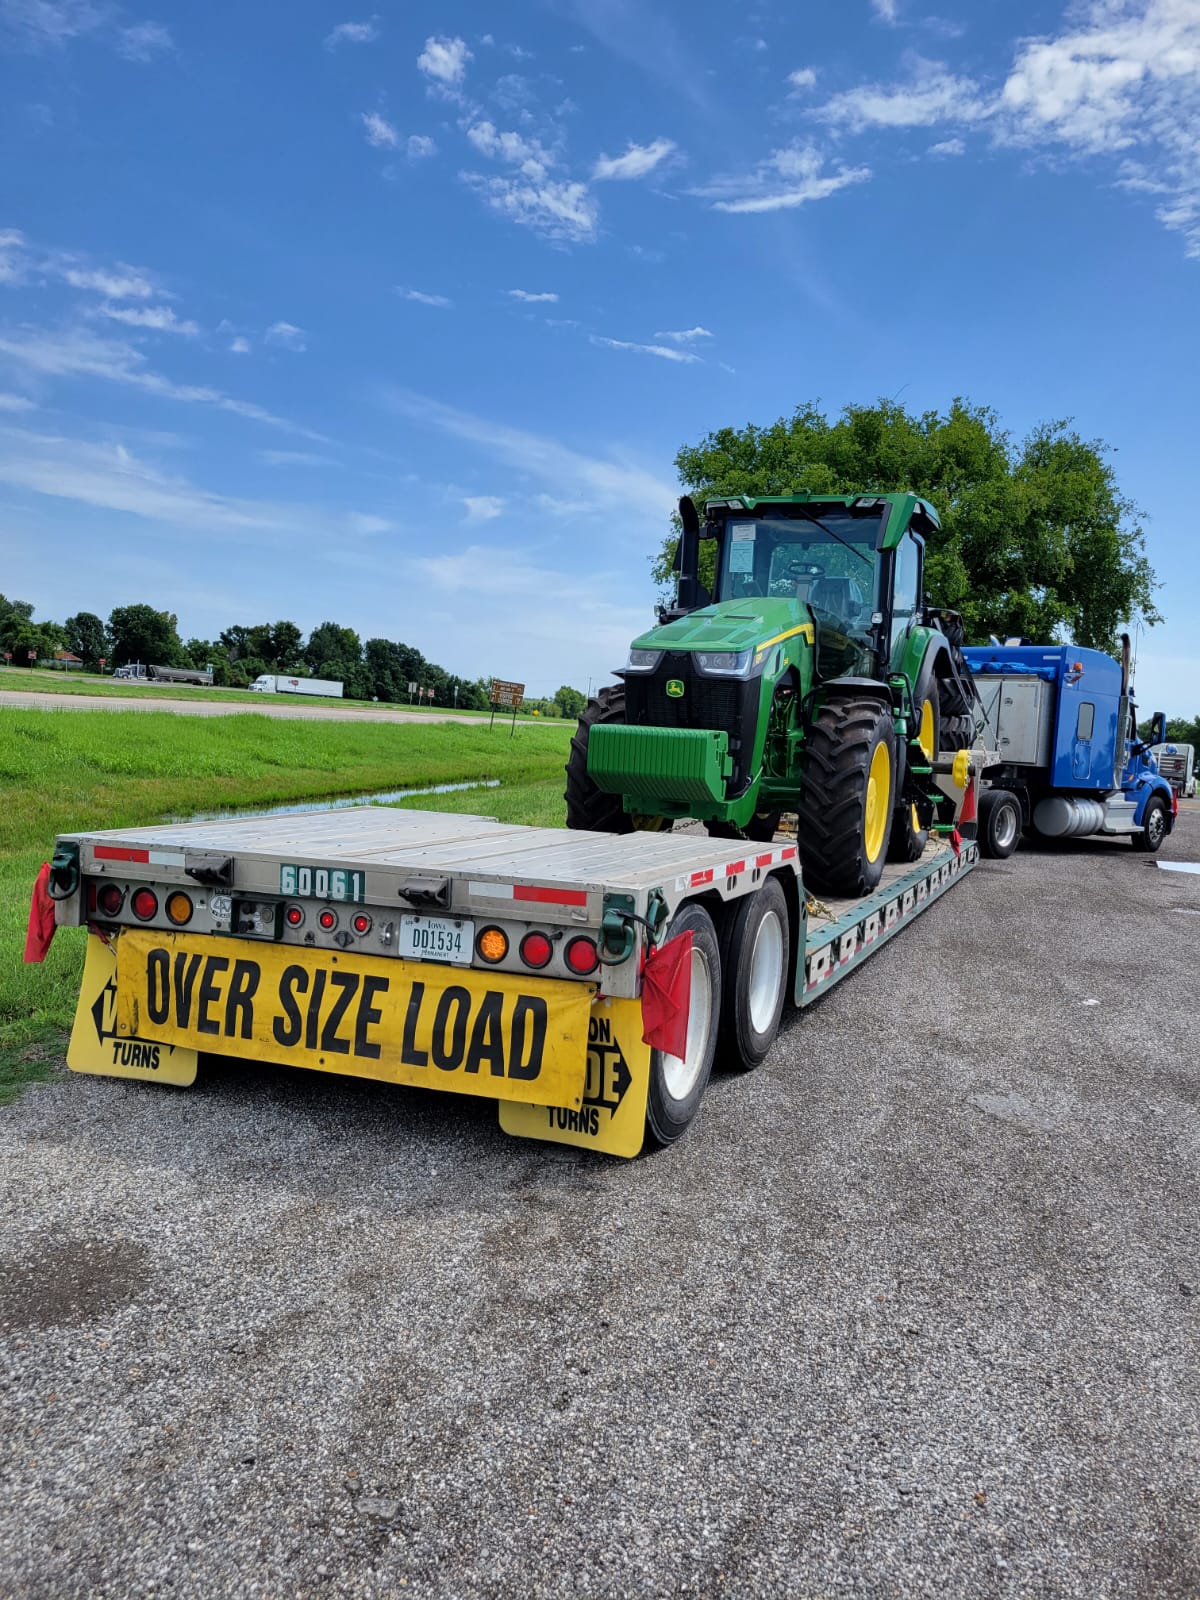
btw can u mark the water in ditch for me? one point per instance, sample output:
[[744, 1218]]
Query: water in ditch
[[383, 798]]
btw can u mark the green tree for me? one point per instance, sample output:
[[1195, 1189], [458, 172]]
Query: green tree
[[336, 652], [1036, 539], [86, 636], [139, 633], [570, 702]]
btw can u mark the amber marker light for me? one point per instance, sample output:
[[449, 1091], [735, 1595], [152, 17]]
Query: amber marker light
[[179, 908], [492, 945]]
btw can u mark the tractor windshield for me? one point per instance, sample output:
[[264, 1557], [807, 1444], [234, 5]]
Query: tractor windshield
[[785, 558]]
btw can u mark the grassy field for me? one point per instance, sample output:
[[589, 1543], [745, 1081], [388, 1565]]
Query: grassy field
[[68, 683], [67, 771]]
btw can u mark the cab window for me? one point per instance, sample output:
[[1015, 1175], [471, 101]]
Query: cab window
[[906, 591]]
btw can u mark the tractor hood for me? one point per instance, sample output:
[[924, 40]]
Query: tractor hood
[[729, 625]]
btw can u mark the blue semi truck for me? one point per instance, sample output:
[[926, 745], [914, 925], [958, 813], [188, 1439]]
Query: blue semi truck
[[1064, 725]]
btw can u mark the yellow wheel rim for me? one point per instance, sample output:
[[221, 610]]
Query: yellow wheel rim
[[644, 822], [925, 738], [879, 802]]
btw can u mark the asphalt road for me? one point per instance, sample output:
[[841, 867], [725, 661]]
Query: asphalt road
[[911, 1311], [287, 706]]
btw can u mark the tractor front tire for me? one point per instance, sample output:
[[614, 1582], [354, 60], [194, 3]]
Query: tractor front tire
[[588, 806], [847, 795]]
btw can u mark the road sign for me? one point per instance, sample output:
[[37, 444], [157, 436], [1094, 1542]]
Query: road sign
[[103, 663], [507, 694]]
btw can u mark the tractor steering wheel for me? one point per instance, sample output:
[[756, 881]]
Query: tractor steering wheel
[[797, 570]]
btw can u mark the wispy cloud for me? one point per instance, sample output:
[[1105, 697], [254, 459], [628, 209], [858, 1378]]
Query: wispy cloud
[[15, 402], [42, 24], [78, 353], [558, 209], [802, 78], [444, 61], [638, 160], [933, 94], [294, 458], [352, 33], [684, 335], [794, 176], [419, 295], [530, 158], [144, 40], [157, 319], [239, 346], [663, 351], [379, 131], [533, 297], [119, 283], [287, 336], [483, 507], [420, 147], [948, 147], [601, 482], [885, 10]]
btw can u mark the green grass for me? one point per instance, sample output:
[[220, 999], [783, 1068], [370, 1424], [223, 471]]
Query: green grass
[[68, 771]]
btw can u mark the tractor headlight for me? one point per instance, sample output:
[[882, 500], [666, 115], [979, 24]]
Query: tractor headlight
[[723, 663], [643, 660]]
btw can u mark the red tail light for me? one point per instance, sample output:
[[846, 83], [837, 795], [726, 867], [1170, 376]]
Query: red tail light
[[110, 897], [361, 923], [582, 957], [328, 920], [293, 916], [536, 950], [144, 904]]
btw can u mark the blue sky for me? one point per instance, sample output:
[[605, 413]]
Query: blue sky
[[397, 317]]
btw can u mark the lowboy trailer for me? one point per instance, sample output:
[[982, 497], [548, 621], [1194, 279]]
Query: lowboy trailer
[[584, 981]]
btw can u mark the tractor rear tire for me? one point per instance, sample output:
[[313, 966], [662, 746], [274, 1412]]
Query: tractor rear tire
[[677, 1083], [958, 733], [846, 796], [588, 806], [909, 838]]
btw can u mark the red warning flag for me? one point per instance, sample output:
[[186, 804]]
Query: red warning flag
[[41, 917], [667, 995], [968, 821]]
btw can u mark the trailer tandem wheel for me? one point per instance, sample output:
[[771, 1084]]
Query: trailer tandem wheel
[[677, 1083], [756, 952]]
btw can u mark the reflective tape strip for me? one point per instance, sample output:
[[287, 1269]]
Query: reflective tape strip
[[528, 893], [145, 858]]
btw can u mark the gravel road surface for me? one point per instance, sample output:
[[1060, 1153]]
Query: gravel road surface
[[268, 706], [911, 1311]]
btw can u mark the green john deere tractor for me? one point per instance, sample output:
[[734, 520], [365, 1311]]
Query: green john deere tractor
[[812, 680]]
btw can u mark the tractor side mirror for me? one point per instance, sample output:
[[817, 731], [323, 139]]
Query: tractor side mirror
[[1158, 728]]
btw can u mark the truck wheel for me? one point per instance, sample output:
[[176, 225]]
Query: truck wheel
[[846, 796], [908, 838], [999, 823], [756, 962], [588, 806], [1154, 825], [677, 1083]]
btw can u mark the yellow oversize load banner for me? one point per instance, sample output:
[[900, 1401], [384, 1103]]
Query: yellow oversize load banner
[[96, 1045], [484, 1033]]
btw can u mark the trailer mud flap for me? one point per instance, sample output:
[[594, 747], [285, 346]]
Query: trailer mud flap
[[97, 1046], [612, 1118], [494, 1034]]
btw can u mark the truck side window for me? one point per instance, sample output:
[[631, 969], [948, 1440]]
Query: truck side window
[[906, 591], [1086, 720]]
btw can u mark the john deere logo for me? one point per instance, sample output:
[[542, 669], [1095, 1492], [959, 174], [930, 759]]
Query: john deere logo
[[675, 688]]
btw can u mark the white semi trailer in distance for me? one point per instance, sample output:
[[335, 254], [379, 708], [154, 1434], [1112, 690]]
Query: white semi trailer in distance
[[277, 683]]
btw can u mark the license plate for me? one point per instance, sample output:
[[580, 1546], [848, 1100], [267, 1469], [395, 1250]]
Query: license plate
[[437, 939], [322, 883]]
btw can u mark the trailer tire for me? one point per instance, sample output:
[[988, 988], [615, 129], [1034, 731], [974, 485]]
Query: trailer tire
[[999, 823], [843, 818], [1155, 825], [677, 1084], [756, 954], [588, 806]]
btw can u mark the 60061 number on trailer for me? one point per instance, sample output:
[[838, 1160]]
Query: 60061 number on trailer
[[585, 982]]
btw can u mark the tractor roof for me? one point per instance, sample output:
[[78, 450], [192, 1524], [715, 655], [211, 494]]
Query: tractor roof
[[903, 508]]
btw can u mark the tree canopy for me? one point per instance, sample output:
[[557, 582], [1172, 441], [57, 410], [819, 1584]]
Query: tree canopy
[[1037, 538]]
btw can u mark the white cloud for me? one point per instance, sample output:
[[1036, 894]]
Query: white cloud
[[420, 147], [530, 297], [664, 352], [638, 160], [50, 23], [352, 33], [294, 458], [15, 402], [158, 319], [527, 155], [78, 353], [885, 10], [365, 523], [604, 482], [802, 78], [122, 283], [685, 335], [287, 335], [933, 95], [557, 209], [419, 295], [380, 132], [144, 40], [240, 346], [444, 60], [793, 176], [948, 147], [483, 507]]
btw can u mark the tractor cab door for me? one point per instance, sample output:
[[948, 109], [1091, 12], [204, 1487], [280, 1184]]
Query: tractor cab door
[[908, 572]]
